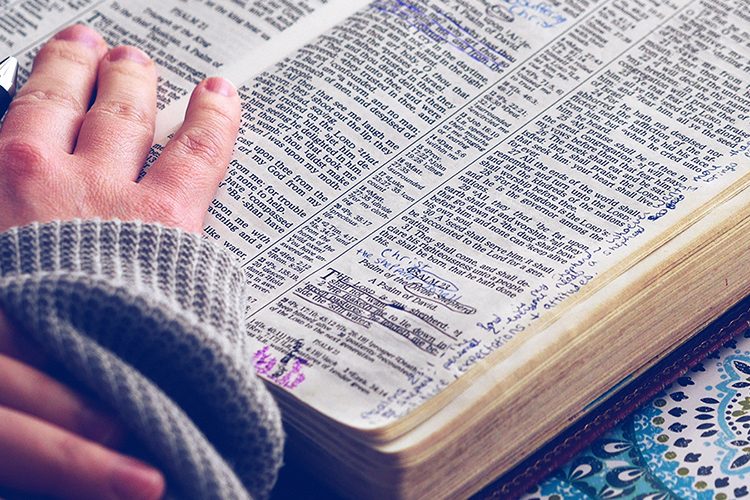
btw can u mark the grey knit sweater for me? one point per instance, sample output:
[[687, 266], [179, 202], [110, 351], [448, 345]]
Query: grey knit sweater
[[152, 320]]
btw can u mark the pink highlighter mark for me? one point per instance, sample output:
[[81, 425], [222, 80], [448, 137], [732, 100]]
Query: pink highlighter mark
[[265, 363]]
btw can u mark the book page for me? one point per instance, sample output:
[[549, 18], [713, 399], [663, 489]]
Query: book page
[[188, 39], [418, 186]]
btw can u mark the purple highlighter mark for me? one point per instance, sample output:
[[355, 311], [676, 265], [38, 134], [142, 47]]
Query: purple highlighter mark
[[265, 363]]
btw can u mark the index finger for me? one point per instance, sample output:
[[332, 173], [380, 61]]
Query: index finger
[[52, 103]]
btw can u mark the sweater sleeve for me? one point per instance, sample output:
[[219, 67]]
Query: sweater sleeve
[[152, 320]]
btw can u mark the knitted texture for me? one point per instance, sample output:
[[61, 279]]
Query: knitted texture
[[152, 320]]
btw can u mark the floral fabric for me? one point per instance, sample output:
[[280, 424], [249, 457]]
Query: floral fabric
[[691, 441]]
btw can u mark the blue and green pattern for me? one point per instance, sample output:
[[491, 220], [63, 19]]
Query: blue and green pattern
[[691, 441]]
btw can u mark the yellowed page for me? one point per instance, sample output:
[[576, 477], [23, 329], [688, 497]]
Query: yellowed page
[[415, 189]]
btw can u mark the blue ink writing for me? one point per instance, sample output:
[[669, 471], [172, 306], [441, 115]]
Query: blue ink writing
[[442, 28]]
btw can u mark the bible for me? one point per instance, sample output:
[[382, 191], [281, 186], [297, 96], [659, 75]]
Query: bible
[[463, 223]]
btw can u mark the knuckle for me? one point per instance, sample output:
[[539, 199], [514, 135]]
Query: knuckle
[[124, 110], [70, 449], [202, 143], [219, 117], [23, 159], [169, 208], [47, 97], [64, 50]]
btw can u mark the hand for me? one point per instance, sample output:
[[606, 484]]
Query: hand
[[60, 159], [55, 442]]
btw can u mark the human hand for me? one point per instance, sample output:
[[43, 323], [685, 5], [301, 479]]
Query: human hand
[[56, 442], [60, 159]]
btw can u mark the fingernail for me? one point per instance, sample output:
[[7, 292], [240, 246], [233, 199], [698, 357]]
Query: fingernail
[[220, 86], [132, 479], [80, 33], [126, 52]]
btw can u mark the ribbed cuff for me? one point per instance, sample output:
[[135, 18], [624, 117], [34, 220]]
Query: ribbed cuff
[[177, 265], [152, 319]]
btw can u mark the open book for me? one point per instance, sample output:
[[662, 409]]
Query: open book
[[462, 222]]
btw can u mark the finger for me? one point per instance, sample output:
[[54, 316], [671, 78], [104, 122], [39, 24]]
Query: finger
[[119, 128], [195, 160], [32, 392], [52, 103], [37, 457], [11, 344]]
